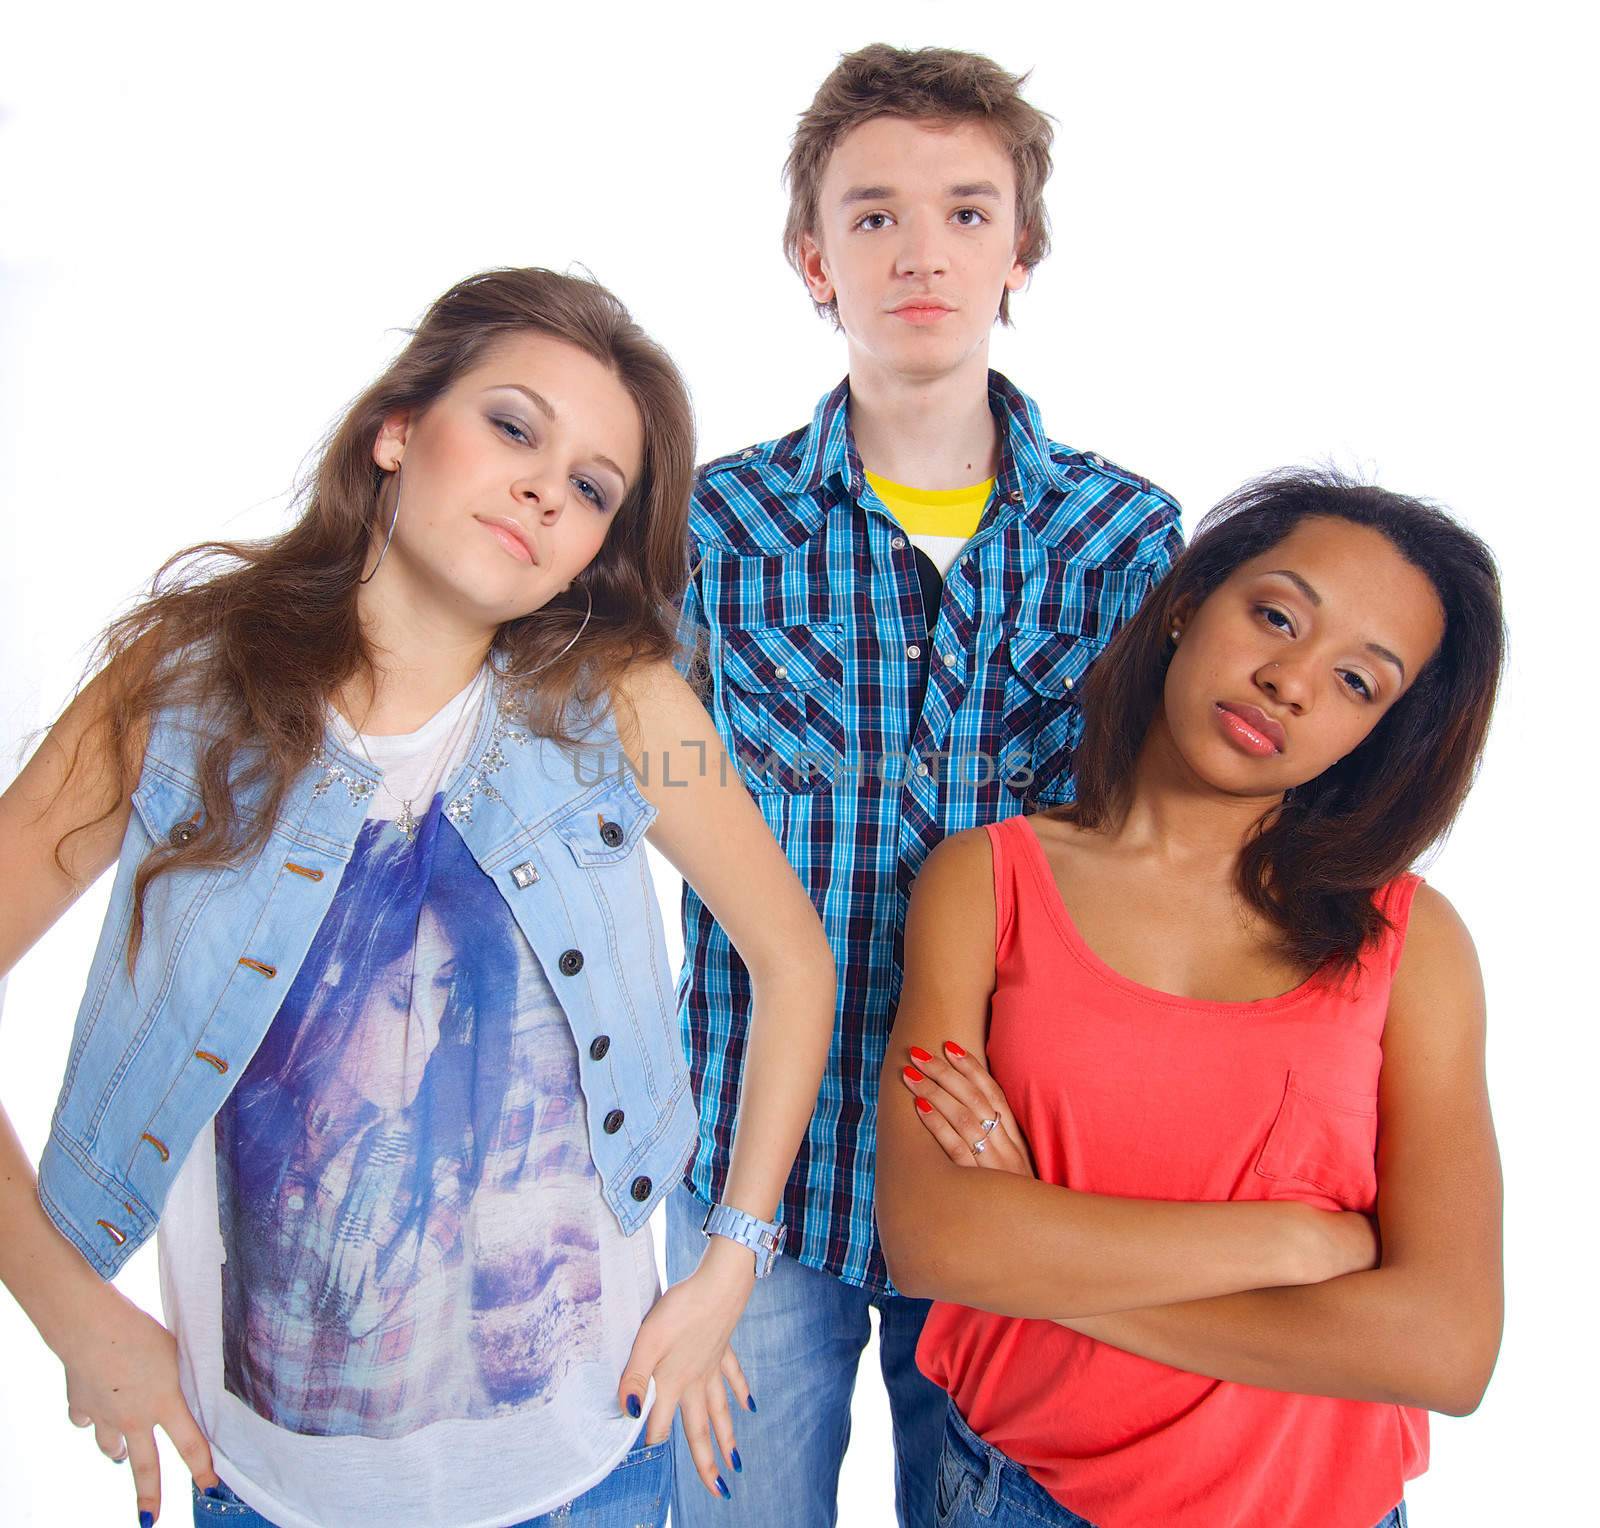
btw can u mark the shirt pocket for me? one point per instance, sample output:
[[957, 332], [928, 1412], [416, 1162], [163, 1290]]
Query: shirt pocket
[[1324, 1139], [781, 696], [1041, 718]]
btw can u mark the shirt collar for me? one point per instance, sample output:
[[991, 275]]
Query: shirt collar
[[828, 448]]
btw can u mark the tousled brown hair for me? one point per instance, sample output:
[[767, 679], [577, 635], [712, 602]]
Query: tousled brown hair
[[259, 635], [924, 85], [1311, 868]]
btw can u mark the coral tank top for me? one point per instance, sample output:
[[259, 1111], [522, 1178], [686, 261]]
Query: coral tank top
[[1125, 1090]]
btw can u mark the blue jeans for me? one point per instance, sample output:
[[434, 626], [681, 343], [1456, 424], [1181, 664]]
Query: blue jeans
[[633, 1495], [799, 1342], [980, 1487]]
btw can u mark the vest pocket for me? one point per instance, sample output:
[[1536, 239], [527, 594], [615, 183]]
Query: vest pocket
[[782, 696], [1325, 1138]]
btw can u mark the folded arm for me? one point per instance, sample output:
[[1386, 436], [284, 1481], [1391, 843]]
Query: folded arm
[[1422, 1329], [1002, 1242]]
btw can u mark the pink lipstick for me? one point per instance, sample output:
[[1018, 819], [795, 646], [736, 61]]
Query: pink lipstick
[[1250, 729]]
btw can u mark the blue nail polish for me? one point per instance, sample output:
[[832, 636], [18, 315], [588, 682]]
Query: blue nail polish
[[147, 1520], [736, 1462], [633, 1405], [722, 1486], [750, 1401]]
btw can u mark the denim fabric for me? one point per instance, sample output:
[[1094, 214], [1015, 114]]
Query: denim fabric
[[980, 1487], [634, 1495], [867, 734], [799, 1342], [155, 1054]]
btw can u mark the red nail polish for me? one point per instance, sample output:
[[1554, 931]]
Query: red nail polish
[[924, 1106], [911, 1074], [953, 1048], [918, 1054]]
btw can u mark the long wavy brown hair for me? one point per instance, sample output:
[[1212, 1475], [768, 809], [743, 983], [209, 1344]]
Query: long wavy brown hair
[[259, 635], [1312, 866]]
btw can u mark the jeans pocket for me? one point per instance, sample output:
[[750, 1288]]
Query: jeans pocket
[[952, 1490]]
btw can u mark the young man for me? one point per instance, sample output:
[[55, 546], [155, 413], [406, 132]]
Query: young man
[[890, 610]]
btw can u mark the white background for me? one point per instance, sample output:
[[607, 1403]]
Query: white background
[[1282, 234]]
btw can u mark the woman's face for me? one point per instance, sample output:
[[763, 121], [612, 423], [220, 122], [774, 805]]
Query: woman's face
[[511, 479], [388, 1050], [1294, 659]]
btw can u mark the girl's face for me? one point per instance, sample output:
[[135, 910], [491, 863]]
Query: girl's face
[[1296, 656], [510, 479]]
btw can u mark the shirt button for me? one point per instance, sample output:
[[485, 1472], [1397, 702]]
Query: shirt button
[[1066, 684], [1015, 495], [571, 962], [898, 543], [949, 659], [1096, 459], [613, 1124], [181, 833], [780, 671], [747, 453], [611, 834], [641, 1189], [913, 651], [922, 769]]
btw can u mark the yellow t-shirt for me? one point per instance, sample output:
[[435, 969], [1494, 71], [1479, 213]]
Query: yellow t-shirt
[[939, 521]]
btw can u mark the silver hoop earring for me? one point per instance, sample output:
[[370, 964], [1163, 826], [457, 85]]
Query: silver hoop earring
[[393, 520], [567, 645]]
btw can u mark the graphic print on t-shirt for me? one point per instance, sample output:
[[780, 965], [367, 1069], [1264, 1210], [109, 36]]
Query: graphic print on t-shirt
[[403, 1171]]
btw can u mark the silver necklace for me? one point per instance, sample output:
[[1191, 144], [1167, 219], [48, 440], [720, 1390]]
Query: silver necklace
[[407, 823]]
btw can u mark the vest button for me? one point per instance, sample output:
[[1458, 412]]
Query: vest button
[[181, 833], [571, 962], [598, 1047], [640, 1189], [612, 1125], [611, 834]]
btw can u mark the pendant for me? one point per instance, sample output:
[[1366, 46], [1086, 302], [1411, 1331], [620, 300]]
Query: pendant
[[406, 823]]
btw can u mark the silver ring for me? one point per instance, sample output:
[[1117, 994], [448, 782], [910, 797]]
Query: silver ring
[[980, 1145], [988, 1124]]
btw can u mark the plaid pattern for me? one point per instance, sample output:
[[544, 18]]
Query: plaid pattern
[[803, 628]]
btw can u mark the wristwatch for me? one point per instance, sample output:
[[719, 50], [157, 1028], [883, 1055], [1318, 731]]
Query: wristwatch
[[763, 1238]]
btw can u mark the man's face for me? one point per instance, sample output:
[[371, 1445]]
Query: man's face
[[916, 240]]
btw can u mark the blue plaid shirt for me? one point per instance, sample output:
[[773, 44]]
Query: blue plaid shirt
[[804, 626]]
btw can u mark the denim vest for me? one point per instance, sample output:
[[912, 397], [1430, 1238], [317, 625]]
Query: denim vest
[[155, 1054]]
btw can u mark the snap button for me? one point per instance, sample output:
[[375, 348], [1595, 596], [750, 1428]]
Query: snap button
[[922, 769], [640, 1189], [747, 453], [571, 962], [181, 833], [913, 651], [949, 660], [611, 834], [780, 671], [1015, 495], [598, 1047], [1097, 459], [613, 1124], [898, 543], [1066, 684]]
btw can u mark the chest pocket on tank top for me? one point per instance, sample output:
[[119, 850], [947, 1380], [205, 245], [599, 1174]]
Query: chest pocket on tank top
[[1324, 1139]]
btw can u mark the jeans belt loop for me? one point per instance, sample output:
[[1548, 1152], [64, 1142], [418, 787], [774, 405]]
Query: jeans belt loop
[[988, 1497]]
